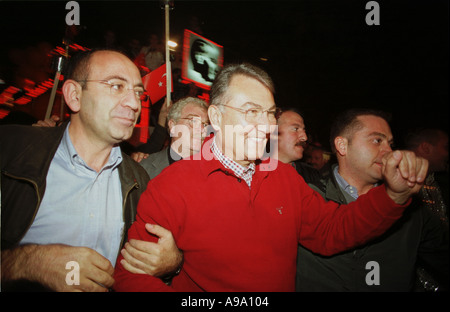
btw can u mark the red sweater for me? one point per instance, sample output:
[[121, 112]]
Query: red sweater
[[236, 238]]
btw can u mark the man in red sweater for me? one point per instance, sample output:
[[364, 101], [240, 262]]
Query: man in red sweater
[[238, 220]]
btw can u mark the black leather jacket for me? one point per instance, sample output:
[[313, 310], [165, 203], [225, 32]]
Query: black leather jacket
[[417, 235], [25, 156]]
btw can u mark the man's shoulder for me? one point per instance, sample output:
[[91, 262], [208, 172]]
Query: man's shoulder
[[156, 156], [278, 167], [27, 133], [24, 140], [194, 169], [188, 165], [132, 165], [155, 162]]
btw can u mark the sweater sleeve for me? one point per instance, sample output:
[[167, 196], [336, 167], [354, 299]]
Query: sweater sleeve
[[328, 228], [126, 281]]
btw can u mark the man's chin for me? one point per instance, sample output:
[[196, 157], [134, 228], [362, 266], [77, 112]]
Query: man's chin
[[258, 148], [196, 147], [254, 155], [120, 136]]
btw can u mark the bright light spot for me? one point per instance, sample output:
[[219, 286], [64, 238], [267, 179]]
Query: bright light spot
[[172, 44]]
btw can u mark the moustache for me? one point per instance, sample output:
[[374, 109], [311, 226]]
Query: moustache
[[301, 143]]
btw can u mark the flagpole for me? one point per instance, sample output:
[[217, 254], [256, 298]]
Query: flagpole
[[61, 59], [168, 71]]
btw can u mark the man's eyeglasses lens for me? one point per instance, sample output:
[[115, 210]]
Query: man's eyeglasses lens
[[119, 88], [254, 114], [196, 122]]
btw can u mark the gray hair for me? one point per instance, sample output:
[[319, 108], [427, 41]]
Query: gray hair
[[221, 83], [176, 108]]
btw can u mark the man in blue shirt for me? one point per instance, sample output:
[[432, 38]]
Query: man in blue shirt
[[68, 193], [360, 138]]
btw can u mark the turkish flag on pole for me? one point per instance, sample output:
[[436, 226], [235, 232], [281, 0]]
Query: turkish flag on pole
[[155, 84]]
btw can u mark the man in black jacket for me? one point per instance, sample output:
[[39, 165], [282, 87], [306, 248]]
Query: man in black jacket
[[68, 193], [360, 138]]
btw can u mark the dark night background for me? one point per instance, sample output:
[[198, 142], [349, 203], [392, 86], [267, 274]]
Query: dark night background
[[321, 54]]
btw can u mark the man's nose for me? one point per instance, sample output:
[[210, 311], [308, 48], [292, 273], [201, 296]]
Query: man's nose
[[386, 148], [303, 136], [264, 119], [131, 100]]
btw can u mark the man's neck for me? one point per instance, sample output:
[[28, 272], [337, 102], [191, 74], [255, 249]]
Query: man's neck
[[231, 155], [361, 187], [94, 153], [284, 159]]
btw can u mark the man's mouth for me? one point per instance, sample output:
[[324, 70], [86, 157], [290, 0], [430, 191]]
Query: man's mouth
[[379, 164], [125, 120]]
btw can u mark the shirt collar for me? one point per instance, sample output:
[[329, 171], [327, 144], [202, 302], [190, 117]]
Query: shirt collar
[[245, 173], [211, 162], [66, 146], [229, 163], [349, 189]]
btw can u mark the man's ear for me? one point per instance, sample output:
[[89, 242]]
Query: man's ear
[[341, 144], [215, 117], [72, 95], [171, 124]]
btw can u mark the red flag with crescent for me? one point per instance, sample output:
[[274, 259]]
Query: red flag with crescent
[[155, 84]]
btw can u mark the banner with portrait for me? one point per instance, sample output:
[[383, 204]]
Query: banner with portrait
[[202, 59]]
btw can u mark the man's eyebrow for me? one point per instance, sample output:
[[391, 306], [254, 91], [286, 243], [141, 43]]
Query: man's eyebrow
[[192, 115], [116, 77], [381, 135], [256, 105]]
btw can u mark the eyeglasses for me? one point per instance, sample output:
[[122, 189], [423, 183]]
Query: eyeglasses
[[254, 114], [196, 122], [118, 88]]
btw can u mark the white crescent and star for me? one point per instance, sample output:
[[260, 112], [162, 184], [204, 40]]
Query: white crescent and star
[[160, 83]]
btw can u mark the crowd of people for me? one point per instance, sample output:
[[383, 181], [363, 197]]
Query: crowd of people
[[229, 195]]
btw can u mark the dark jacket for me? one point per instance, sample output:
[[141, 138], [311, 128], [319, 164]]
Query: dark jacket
[[416, 235], [156, 142], [156, 162], [25, 156], [310, 174]]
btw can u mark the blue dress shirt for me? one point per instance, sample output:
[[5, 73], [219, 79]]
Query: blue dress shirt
[[80, 207]]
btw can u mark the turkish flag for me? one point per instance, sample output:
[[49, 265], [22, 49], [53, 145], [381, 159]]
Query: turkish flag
[[155, 84]]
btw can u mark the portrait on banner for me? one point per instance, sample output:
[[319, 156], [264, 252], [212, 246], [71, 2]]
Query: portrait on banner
[[202, 59]]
